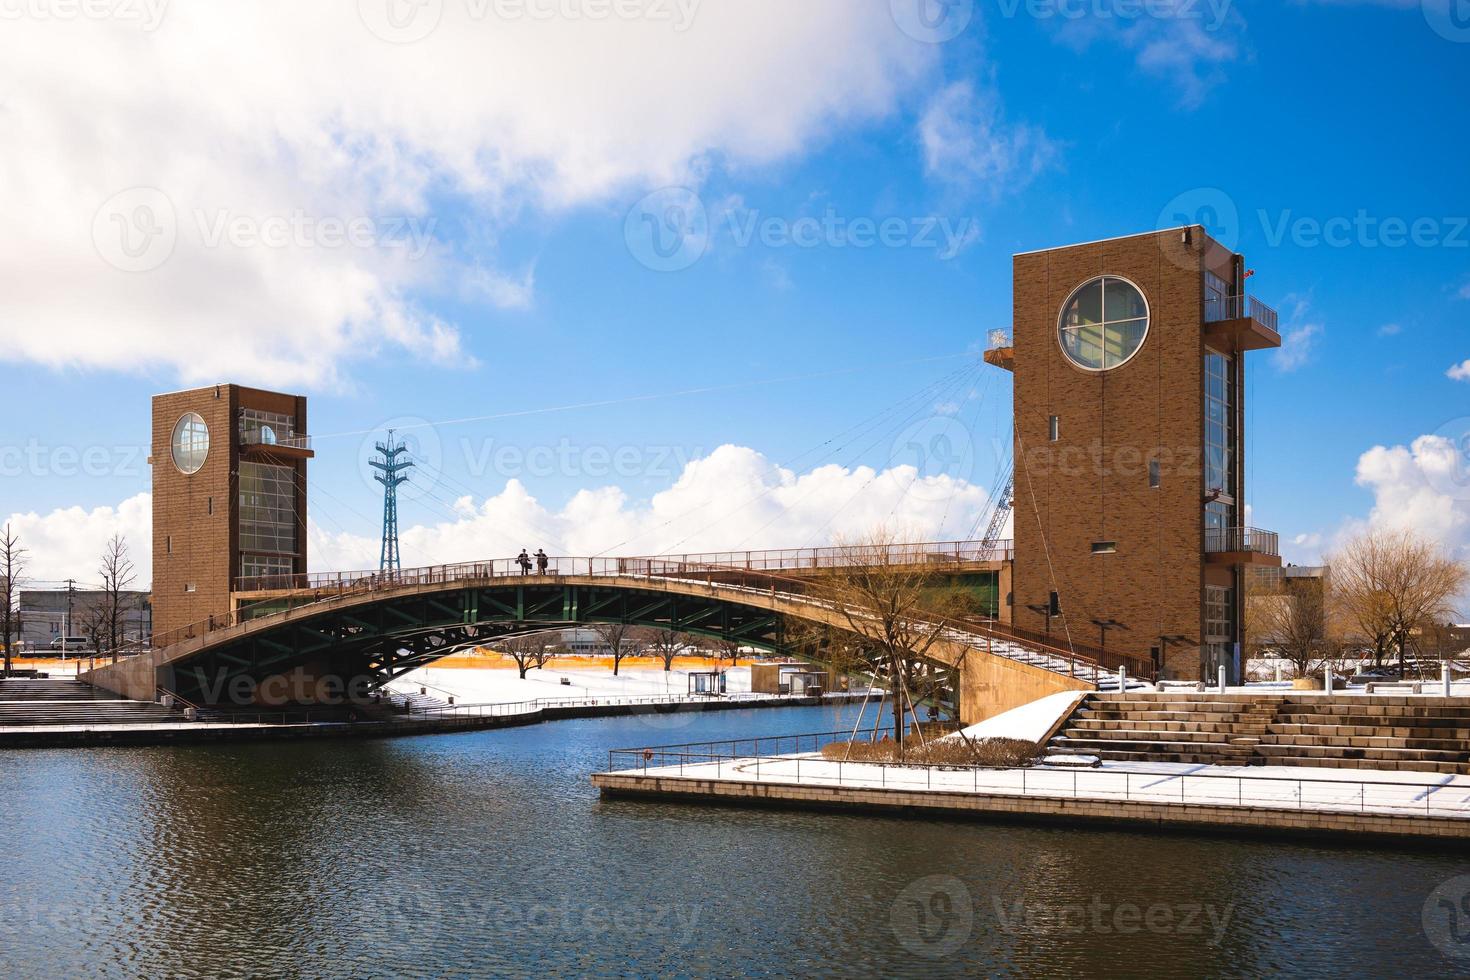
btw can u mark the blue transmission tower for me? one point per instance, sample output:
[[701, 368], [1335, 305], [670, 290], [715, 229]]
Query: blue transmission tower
[[390, 468]]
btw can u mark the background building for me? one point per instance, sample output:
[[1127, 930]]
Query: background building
[[1129, 361], [229, 497], [44, 614]]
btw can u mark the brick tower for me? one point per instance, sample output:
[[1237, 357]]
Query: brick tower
[[1129, 361], [229, 498]]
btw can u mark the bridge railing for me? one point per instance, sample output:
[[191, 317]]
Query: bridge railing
[[938, 553], [669, 574]]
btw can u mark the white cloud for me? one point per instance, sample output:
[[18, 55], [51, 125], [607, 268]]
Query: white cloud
[[1184, 42], [68, 542], [1424, 487], [1300, 337], [1460, 372], [966, 142], [734, 498], [1390, 330], [258, 120]]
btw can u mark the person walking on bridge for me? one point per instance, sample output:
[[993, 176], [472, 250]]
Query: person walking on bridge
[[524, 560], [542, 561]]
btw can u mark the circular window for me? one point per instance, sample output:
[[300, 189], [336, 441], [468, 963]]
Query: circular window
[[191, 443], [1103, 323]]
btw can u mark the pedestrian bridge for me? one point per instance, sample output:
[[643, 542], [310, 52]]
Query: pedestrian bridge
[[373, 627]]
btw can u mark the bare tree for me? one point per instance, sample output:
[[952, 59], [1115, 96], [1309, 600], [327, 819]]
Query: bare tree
[[1392, 584], [528, 651], [727, 649], [117, 574], [667, 644], [616, 636], [92, 620], [894, 613], [1294, 624], [12, 567]]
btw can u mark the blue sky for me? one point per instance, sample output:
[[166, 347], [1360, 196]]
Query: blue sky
[[1268, 121]]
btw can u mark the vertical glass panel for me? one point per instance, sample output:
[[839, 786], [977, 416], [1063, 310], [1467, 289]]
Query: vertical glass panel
[[1086, 306], [1084, 345], [1121, 301]]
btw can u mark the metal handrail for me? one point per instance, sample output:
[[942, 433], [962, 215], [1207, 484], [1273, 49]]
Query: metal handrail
[[659, 757], [1251, 539], [1218, 308], [661, 573]]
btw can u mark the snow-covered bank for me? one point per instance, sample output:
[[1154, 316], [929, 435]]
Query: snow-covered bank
[[501, 685], [1029, 723]]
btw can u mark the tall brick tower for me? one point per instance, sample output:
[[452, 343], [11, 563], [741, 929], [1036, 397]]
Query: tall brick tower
[[229, 498], [1129, 361]]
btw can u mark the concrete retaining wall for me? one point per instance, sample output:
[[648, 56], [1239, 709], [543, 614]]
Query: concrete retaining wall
[[1139, 815]]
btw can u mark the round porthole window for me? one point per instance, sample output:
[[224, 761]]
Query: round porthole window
[[1103, 323], [190, 443]]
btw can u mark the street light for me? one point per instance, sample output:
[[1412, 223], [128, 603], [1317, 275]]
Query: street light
[[1042, 609], [1103, 625], [1164, 642]]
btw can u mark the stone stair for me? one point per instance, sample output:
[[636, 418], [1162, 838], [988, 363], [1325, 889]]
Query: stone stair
[[1423, 734], [27, 701]]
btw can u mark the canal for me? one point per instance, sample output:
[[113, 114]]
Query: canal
[[488, 854]]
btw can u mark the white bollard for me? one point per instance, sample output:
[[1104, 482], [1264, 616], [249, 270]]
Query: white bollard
[[1327, 680], [1222, 678], [1447, 688], [1122, 679]]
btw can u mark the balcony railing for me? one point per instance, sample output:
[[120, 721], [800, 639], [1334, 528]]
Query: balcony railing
[[1219, 308], [268, 437], [1221, 540]]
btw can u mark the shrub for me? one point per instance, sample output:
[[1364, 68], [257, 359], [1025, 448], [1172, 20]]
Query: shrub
[[996, 752]]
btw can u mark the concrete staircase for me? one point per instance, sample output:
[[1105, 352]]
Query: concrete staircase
[[1423, 734], [26, 701]]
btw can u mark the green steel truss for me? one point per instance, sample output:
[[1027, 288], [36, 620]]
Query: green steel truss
[[388, 638]]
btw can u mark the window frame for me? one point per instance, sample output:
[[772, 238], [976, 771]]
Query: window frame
[[1103, 323]]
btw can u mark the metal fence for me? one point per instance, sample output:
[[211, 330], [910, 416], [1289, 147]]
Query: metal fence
[[796, 759]]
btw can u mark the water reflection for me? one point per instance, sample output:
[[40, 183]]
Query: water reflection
[[489, 854]]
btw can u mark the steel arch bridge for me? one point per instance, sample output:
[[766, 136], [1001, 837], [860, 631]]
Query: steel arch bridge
[[375, 631]]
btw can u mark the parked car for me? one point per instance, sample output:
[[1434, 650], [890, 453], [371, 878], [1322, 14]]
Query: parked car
[[70, 644]]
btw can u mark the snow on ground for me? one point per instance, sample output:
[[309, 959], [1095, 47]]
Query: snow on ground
[[1277, 787], [1030, 722], [501, 685]]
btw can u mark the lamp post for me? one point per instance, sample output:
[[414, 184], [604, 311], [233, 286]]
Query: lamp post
[[1164, 642], [1103, 625], [1043, 609]]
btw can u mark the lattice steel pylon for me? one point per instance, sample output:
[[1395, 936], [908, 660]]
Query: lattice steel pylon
[[390, 468]]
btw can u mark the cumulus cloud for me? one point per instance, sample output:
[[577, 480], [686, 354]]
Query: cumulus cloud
[[1460, 372], [253, 189], [1424, 486], [68, 542], [733, 498]]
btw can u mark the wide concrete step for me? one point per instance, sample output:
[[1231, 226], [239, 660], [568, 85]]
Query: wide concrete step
[[1197, 758]]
